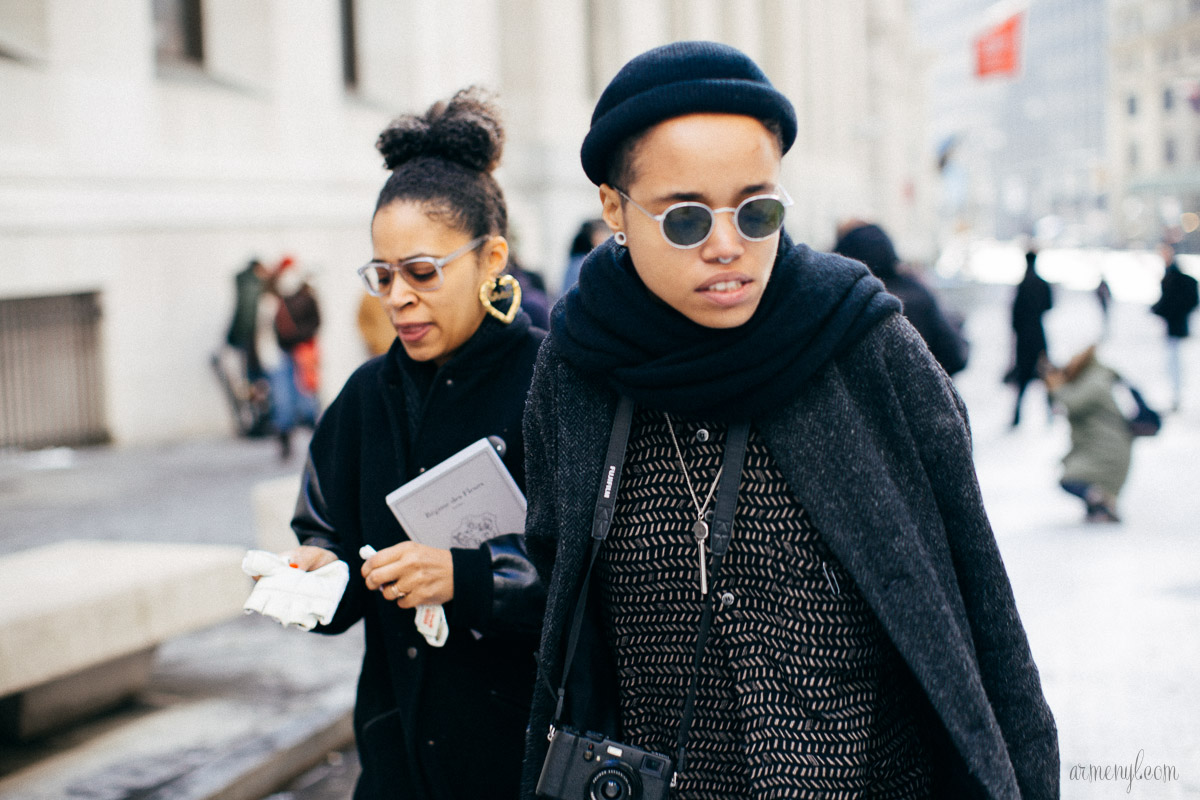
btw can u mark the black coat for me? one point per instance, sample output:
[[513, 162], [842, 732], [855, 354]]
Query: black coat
[[1032, 299], [877, 449], [1178, 300], [944, 338], [431, 722]]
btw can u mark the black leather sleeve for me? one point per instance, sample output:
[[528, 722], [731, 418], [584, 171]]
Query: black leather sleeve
[[496, 588], [310, 518], [310, 522]]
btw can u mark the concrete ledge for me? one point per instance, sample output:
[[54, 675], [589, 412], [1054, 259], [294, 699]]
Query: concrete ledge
[[76, 606], [44, 708], [267, 762]]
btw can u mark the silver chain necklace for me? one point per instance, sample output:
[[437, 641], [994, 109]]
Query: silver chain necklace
[[700, 527]]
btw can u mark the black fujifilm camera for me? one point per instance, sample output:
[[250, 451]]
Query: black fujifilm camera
[[588, 766]]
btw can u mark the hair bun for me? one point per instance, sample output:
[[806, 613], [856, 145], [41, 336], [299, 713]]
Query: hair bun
[[466, 130]]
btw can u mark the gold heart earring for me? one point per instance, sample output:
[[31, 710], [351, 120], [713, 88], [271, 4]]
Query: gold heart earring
[[502, 287]]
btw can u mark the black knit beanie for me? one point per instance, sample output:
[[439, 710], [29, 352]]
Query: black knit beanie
[[678, 79]]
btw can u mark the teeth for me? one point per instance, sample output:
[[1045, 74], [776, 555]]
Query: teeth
[[725, 286]]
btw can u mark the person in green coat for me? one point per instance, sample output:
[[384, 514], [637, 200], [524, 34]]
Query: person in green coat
[[1097, 464]]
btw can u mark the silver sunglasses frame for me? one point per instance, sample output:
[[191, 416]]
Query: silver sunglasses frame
[[783, 197], [438, 264]]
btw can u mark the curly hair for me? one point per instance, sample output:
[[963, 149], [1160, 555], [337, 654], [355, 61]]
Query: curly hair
[[443, 159]]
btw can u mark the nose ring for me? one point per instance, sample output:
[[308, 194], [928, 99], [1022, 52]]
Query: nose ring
[[724, 260]]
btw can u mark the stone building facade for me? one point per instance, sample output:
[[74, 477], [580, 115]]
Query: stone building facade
[[149, 148]]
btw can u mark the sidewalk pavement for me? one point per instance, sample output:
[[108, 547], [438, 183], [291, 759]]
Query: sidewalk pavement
[[1112, 611]]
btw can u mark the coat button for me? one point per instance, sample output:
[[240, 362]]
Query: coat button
[[702, 435], [449, 382], [727, 599], [411, 652]]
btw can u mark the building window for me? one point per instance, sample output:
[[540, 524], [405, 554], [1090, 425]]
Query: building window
[[1169, 151], [349, 46], [178, 32], [1131, 105], [1168, 99]]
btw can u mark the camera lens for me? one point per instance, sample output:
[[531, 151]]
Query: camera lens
[[614, 782]]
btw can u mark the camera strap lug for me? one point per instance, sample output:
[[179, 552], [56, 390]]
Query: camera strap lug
[[550, 734]]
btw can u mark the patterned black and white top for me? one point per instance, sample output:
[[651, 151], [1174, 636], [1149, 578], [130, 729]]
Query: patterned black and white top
[[801, 693]]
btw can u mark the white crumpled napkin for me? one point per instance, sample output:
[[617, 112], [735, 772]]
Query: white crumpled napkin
[[291, 595], [430, 620]]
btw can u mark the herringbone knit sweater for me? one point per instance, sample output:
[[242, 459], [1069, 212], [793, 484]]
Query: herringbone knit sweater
[[801, 695]]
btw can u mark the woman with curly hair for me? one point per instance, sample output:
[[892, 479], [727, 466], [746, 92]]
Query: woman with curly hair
[[432, 721]]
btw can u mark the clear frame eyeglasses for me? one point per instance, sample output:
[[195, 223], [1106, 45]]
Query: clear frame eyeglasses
[[422, 273], [689, 224]]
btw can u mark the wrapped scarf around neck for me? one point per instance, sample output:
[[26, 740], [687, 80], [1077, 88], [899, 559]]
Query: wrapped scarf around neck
[[815, 306]]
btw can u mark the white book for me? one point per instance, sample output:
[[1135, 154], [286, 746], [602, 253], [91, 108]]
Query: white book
[[462, 502]]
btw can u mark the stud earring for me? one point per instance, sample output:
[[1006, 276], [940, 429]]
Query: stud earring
[[621, 238]]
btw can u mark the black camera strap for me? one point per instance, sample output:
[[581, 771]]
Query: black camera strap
[[606, 502], [722, 530]]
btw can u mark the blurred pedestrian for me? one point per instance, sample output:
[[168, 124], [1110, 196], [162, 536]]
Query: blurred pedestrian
[[591, 234], [864, 639], [1033, 298], [248, 288], [869, 244], [1175, 305], [238, 366], [374, 325], [534, 299], [1095, 468], [1104, 298], [287, 345], [432, 722]]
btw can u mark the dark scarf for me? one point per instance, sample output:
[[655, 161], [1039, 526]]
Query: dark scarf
[[815, 305]]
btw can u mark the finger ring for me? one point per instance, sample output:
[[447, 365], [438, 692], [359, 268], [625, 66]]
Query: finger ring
[[399, 594]]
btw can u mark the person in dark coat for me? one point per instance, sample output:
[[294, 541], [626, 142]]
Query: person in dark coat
[[1031, 301], [591, 233], [869, 244], [432, 722], [864, 639], [1175, 305]]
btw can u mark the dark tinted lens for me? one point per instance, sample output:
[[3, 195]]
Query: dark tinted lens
[[420, 274], [687, 225], [760, 218]]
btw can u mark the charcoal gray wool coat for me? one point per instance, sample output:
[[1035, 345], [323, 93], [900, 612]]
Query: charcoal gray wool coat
[[877, 448]]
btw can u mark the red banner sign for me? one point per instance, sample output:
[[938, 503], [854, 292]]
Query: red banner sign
[[998, 50]]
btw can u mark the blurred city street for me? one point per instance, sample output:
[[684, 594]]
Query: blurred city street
[[1112, 611]]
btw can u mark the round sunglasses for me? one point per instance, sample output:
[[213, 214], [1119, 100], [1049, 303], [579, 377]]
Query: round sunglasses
[[423, 273], [689, 224]]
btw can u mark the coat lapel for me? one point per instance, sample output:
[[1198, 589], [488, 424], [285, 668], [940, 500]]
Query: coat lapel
[[848, 471]]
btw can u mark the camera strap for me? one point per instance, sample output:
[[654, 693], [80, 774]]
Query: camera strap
[[606, 502], [722, 531]]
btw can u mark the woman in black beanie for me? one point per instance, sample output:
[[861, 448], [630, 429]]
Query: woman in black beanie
[[858, 637]]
